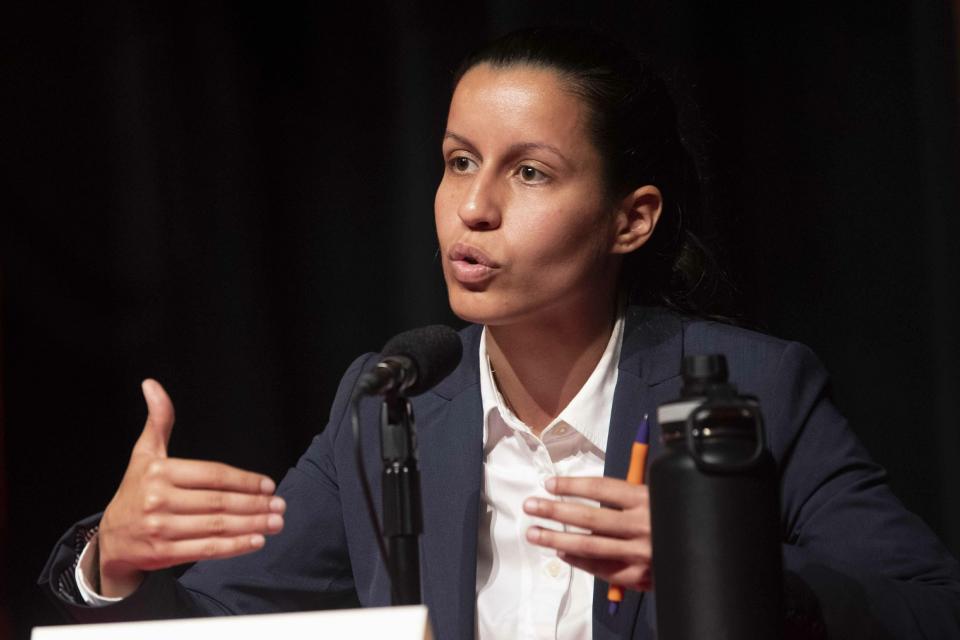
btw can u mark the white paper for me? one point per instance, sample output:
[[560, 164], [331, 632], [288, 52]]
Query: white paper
[[397, 623]]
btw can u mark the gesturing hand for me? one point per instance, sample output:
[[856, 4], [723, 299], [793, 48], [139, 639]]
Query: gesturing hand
[[618, 546], [169, 511]]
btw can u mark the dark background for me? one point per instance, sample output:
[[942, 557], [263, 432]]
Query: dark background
[[237, 200]]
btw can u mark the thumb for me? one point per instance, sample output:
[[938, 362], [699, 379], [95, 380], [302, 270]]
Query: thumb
[[156, 432]]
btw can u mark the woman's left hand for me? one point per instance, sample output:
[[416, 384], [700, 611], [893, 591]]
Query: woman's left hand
[[618, 547]]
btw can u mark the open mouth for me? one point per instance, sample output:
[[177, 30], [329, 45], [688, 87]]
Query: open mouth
[[467, 255], [471, 266]]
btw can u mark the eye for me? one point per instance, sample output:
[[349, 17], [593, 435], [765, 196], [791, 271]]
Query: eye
[[531, 175], [461, 164]]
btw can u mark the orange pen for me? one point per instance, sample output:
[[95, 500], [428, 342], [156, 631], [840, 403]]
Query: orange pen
[[638, 464]]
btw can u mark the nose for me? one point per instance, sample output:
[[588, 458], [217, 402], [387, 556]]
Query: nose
[[480, 207]]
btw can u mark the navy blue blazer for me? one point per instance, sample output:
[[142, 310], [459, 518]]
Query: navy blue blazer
[[857, 562]]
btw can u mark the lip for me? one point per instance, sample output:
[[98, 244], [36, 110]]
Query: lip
[[470, 265]]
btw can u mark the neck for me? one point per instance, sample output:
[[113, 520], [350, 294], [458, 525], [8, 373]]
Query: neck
[[539, 367]]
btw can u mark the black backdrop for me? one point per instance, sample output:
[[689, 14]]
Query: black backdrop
[[237, 200]]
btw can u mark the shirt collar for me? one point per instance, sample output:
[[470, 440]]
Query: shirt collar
[[589, 410]]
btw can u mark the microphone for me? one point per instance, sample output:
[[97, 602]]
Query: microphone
[[413, 362]]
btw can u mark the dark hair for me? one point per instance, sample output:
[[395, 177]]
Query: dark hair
[[634, 126]]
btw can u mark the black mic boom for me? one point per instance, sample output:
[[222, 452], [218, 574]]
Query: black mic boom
[[413, 362]]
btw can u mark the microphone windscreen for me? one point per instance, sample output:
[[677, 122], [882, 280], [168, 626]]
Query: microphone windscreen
[[434, 350]]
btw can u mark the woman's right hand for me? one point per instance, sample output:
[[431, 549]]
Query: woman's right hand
[[169, 511]]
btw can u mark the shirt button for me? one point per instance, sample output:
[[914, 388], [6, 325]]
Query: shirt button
[[554, 568], [561, 430]]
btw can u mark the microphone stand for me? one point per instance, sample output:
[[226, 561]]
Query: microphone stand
[[402, 511]]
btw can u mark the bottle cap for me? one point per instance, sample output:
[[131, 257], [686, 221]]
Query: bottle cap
[[703, 372]]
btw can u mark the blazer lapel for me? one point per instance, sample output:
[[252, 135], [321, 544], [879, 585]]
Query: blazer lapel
[[451, 460], [651, 353]]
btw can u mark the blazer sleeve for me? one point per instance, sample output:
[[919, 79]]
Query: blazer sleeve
[[304, 567], [853, 551]]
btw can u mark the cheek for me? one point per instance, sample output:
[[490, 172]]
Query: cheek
[[444, 209], [563, 238]]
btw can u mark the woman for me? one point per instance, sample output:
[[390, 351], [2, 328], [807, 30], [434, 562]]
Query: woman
[[565, 191]]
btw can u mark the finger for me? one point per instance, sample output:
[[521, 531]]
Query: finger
[[199, 501], [160, 418], [591, 546], [609, 522], [201, 474], [194, 527], [613, 572], [611, 491], [170, 554]]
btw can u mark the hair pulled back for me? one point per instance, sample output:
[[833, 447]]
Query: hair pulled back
[[633, 124]]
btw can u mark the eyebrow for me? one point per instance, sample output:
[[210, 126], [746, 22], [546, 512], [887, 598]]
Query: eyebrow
[[516, 148]]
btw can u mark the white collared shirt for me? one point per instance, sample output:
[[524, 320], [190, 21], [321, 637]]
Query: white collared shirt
[[525, 591]]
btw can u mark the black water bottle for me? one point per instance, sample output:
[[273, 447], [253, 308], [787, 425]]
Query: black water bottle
[[717, 566]]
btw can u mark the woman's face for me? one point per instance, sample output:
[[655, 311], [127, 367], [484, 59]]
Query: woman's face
[[525, 229]]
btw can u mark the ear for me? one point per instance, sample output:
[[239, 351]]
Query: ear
[[635, 219]]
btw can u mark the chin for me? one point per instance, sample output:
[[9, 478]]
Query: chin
[[487, 308], [478, 307], [467, 309]]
